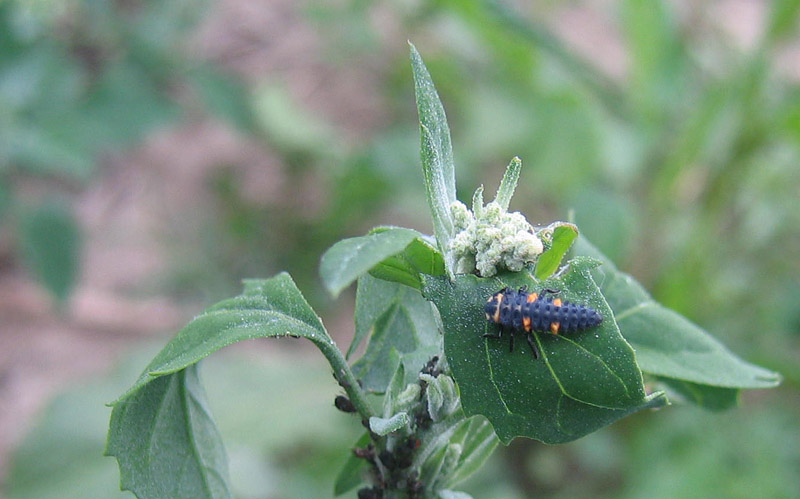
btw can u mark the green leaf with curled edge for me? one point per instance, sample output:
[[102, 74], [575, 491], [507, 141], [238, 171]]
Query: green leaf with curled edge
[[166, 442], [384, 426], [348, 259], [666, 343], [267, 308], [405, 267], [563, 236], [181, 455], [582, 382]]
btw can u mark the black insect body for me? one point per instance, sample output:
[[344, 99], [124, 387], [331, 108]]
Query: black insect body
[[344, 404], [522, 311]]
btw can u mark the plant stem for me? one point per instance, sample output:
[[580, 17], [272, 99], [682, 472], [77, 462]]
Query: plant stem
[[346, 378]]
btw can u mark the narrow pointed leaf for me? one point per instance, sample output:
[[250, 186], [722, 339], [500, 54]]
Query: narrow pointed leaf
[[582, 382], [436, 151], [509, 183], [167, 443], [477, 202], [549, 261]]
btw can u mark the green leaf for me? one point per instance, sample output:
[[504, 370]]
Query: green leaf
[[666, 343], [549, 261], [267, 308], [509, 183], [401, 320], [478, 441], [436, 151], [166, 442], [384, 426], [477, 202], [351, 474], [392, 333], [708, 397], [350, 258], [582, 382], [419, 257], [394, 389], [51, 247]]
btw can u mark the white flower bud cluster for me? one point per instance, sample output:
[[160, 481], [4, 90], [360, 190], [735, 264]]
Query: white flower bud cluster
[[491, 240]]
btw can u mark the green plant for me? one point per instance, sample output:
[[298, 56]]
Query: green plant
[[448, 394]]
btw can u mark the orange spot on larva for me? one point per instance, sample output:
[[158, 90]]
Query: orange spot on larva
[[499, 297]]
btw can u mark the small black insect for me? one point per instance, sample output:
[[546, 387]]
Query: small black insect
[[522, 311], [344, 404]]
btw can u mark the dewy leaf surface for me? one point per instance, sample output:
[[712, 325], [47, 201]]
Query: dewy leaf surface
[[167, 443], [582, 382], [267, 308], [666, 343]]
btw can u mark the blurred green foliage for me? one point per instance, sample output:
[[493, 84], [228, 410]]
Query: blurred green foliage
[[685, 173]]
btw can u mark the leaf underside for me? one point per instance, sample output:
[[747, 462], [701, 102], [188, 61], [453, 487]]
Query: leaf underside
[[350, 258], [166, 441], [161, 431]]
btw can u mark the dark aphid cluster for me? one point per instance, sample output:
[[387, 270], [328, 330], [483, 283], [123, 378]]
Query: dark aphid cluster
[[526, 312], [391, 470]]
